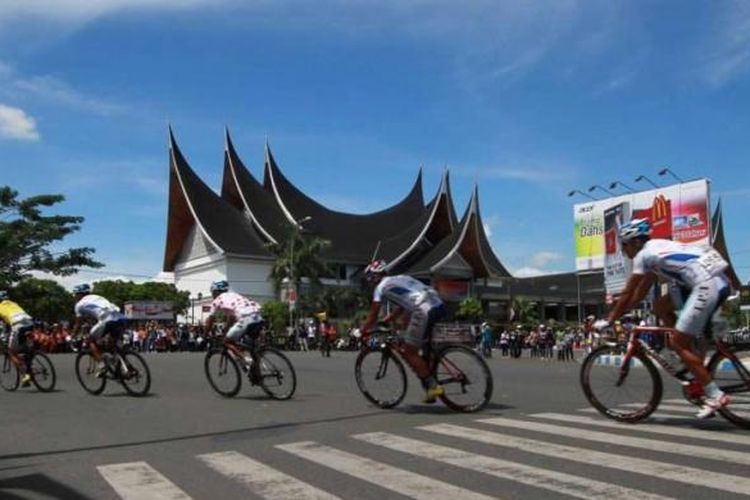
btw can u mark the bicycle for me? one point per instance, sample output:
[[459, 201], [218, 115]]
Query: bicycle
[[119, 364], [381, 376], [264, 365], [624, 371], [42, 373]]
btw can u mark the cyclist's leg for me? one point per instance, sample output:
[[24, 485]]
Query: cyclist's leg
[[700, 306]]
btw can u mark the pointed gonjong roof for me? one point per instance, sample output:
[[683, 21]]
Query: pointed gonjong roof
[[466, 252], [718, 241], [353, 237], [242, 190], [193, 204], [437, 222]]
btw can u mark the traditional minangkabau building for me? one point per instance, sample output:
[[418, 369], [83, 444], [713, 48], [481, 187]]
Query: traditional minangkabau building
[[214, 236]]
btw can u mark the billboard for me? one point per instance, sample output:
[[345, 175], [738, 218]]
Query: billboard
[[149, 309], [616, 264], [679, 212]]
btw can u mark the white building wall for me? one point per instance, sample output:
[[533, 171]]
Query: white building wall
[[250, 277]]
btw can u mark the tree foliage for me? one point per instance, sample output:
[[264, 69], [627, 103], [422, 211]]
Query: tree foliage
[[299, 253], [119, 292], [44, 300], [470, 308], [276, 315], [525, 310], [26, 235]]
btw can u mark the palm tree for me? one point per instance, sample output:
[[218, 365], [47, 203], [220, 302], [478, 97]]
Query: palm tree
[[525, 309], [298, 256]]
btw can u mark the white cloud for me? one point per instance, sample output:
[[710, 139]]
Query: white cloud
[[729, 47], [541, 259], [527, 272], [16, 124]]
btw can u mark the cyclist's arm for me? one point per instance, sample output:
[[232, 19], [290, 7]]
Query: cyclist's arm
[[635, 290], [396, 313], [371, 318]]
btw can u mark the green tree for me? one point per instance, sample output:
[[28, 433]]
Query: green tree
[[44, 300], [525, 310], [470, 308], [342, 302], [119, 292], [26, 235], [300, 254], [276, 315]]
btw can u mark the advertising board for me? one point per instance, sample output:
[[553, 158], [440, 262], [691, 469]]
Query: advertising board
[[616, 264], [679, 212], [149, 309]]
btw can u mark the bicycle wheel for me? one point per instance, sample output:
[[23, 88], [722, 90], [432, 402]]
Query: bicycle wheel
[[222, 372], [380, 377], [43, 372], [277, 377], [465, 377], [87, 372], [137, 378], [733, 377], [9, 376], [625, 395]]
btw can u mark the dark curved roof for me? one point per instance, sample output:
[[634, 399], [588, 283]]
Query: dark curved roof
[[719, 242], [437, 222], [353, 237], [468, 241], [192, 202], [240, 188]]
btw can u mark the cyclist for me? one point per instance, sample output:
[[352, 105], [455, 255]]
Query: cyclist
[[699, 272], [20, 324], [243, 313], [109, 320], [420, 305]]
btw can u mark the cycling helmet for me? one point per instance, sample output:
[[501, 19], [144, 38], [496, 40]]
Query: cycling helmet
[[636, 228], [375, 267], [3, 295], [83, 289], [220, 286]]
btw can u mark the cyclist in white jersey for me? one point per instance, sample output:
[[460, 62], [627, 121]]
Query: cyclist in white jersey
[[108, 318], [699, 272], [420, 305], [244, 312]]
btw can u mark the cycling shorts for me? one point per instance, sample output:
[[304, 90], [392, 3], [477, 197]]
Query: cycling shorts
[[18, 333], [249, 325], [421, 323], [704, 299]]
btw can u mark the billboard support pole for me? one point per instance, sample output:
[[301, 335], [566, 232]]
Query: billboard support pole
[[578, 296]]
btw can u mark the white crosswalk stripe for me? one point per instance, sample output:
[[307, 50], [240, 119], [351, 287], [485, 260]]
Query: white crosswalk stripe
[[392, 478], [682, 431], [680, 473], [261, 479], [636, 442], [140, 481], [558, 482]]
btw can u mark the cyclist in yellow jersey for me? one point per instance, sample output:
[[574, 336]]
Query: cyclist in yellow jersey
[[20, 323]]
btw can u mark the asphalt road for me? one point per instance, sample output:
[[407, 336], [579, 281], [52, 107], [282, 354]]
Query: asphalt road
[[185, 441]]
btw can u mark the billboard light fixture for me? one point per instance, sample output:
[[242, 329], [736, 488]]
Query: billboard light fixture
[[666, 170], [644, 178], [597, 186], [618, 183]]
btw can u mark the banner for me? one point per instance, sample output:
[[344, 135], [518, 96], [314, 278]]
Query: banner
[[679, 212], [616, 264], [149, 309]]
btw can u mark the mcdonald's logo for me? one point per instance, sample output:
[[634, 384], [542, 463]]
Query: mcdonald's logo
[[660, 208]]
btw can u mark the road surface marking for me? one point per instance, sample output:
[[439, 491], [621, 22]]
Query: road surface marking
[[140, 481]]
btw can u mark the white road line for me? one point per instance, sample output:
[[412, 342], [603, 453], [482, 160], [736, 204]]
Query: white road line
[[388, 477], [657, 414], [140, 481], [635, 442], [261, 479], [709, 435], [560, 483], [652, 468]]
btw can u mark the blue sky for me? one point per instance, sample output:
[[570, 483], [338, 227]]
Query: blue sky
[[529, 99]]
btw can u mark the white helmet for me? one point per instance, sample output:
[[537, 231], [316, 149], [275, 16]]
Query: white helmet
[[634, 229]]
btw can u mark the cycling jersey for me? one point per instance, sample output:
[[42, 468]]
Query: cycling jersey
[[421, 301], [106, 314], [235, 305], [12, 313], [686, 265], [406, 292]]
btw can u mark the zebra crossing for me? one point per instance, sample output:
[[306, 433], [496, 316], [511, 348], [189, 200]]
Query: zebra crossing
[[667, 460]]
